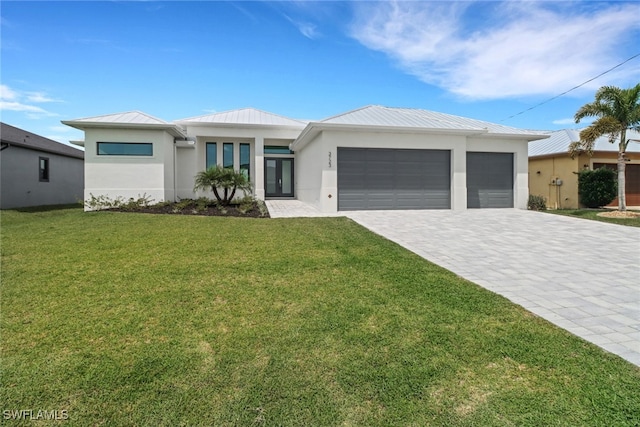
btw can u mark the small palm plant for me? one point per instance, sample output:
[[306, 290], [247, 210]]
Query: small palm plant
[[217, 178]]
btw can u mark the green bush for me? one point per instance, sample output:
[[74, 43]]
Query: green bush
[[537, 203], [95, 203], [597, 187]]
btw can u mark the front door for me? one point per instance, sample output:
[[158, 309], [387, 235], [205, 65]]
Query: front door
[[278, 177]]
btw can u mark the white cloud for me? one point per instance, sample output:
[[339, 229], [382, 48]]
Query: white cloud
[[307, 29], [6, 93], [63, 129], [39, 97], [513, 49], [13, 100], [564, 122]]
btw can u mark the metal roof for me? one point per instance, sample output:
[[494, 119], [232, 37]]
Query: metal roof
[[12, 135], [244, 116], [129, 119], [559, 141], [376, 115]]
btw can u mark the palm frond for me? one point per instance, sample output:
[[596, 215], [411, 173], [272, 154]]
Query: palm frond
[[576, 148]]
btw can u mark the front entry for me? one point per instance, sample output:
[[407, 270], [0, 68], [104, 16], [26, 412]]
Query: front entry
[[278, 177]]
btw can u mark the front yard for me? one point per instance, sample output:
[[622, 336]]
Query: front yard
[[137, 319], [594, 215]]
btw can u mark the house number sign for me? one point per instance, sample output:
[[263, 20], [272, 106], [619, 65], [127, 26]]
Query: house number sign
[[329, 158]]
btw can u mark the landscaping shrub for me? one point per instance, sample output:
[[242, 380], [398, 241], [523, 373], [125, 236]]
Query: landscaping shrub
[[537, 203], [597, 187], [104, 202], [217, 178]]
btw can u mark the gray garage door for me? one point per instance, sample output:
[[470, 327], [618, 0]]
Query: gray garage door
[[489, 180], [373, 178]]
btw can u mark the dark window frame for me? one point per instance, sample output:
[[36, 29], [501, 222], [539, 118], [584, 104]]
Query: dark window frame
[[43, 169], [122, 145], [277, 149], [245, 166], [208, 163], [225, 160]]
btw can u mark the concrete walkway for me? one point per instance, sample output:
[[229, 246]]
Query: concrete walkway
[[581, 275]]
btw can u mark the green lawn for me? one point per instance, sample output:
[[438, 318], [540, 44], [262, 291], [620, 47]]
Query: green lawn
[[136, 319], [592, 214]]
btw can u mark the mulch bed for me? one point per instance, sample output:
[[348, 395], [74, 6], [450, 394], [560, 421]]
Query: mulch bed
[[619, 214], [186, 208]]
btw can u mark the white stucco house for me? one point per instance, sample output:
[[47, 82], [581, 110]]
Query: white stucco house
[[371, 158]]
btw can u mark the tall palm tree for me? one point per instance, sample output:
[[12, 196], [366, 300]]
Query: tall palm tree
[[616, 110]]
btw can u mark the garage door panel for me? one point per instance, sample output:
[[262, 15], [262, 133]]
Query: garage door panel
[[490, 180], [371, 178]]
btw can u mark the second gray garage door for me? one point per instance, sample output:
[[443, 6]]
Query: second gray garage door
[[373, 178], [489, 180]]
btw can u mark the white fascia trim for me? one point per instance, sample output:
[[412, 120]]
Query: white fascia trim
[[238, 125], [174, 130], [314, 128]]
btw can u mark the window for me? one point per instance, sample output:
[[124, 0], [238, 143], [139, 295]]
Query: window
[[277, 149], [227, 155], [212, 154], [43, 166], [125, 149], [245, 160]]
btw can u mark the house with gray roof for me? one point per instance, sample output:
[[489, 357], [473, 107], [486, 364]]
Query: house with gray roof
[[37, 171], [373, 157], [553, 173]]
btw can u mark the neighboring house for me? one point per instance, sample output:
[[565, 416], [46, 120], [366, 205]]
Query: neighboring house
[[553, 174], [36, 171], [370, 158]]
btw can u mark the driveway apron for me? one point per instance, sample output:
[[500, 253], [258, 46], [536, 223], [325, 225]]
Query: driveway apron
[[581, 275]]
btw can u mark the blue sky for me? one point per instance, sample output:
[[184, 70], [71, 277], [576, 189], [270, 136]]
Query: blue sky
[[487, 60]]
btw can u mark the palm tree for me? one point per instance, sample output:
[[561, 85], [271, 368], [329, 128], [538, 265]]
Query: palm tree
[[616, 110], [217, 177]]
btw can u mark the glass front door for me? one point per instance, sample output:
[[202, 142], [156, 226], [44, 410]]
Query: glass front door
[[278, 177]]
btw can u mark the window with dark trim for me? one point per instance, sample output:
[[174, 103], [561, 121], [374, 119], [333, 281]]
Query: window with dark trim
[[277, 149], [125, 149], [227, 155], [43, 169], [245, 160], [212, 155]]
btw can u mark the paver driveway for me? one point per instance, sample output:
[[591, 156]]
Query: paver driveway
[[582, 275]]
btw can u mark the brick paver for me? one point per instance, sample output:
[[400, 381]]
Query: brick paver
[[581, 275]]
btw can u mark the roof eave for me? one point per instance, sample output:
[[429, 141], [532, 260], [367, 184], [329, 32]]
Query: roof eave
[[239, 125], [172, 129], [522, 136], [78, 155], [314, 128]]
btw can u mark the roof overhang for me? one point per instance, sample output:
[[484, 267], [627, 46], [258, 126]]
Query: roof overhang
[[172, 129], [237, 125], [313, 129]]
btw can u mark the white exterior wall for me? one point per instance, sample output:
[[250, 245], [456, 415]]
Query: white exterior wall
[[129, 176], [186, 163], [317, 180], [519, 148], [311, 164], [315, 155], [255, 136]]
